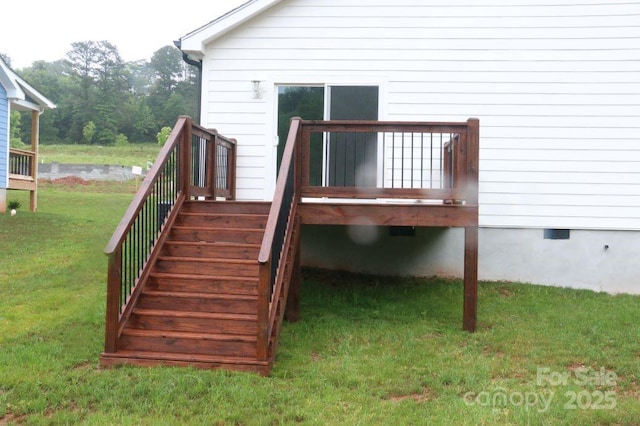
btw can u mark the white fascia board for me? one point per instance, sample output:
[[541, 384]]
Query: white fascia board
[[18, 90], [194, 43], [24, 105], [43, 102], [8, 82]]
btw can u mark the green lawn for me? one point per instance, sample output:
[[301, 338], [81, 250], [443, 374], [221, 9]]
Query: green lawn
[[368, 350], [128, 155]]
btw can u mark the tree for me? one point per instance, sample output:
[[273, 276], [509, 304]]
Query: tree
[[89, 131], [166, 64], [15, 141], [102, 88], [53, 81], [93, 85]]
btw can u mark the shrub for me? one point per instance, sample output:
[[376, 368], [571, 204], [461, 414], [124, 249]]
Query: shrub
[[14, 205], [163, 135], [121, 140]]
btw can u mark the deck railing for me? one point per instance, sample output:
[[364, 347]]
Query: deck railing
[[194, 162], [22, 163], [365, 160]]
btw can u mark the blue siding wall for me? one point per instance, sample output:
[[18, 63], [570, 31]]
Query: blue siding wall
[[4, 138]]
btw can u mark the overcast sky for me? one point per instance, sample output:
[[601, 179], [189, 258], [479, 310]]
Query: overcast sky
[[44, 29]]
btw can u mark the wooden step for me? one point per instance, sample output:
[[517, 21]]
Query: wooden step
[[151, 359], [216, 249], [213, 235], [189, 283], [206, 266], [191, 343], [222, 220], [243, 207], [198, 302], [193, 322]]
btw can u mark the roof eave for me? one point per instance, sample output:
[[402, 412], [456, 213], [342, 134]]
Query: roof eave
[[195, 42], [19, 91]]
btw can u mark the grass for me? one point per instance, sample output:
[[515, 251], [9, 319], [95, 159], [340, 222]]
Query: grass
[[129, 155], [368, 350]]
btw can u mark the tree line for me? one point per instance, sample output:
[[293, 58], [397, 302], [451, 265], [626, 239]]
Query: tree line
[[100, 99]]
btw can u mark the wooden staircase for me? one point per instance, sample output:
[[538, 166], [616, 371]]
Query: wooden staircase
[[199, 304]]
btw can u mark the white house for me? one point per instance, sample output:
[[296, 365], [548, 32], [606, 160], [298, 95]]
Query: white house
[[555, 84]]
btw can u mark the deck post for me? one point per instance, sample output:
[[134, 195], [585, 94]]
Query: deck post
[[471, 167], [292, 310], [35, 136], [112, 322], [470, 305], [264, 290]]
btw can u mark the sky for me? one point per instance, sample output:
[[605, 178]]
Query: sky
[[44, 29]]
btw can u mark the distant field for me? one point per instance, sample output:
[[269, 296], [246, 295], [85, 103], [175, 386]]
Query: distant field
[[130, 155]]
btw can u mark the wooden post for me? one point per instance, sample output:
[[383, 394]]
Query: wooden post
[[112, 323], [211, 159], [185, 147], [471, 232], [470, 304], [231, 169], [292, 311], [35, 135], [264, 290]]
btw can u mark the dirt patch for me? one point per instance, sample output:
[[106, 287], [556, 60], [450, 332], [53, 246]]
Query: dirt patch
[[503, 291], [11, 419], [420, 397], [70, 181]]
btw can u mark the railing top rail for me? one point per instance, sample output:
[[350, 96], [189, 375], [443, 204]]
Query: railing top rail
[[147, 186], [386, 126], [210, 134], [21, 151], [287, 160]]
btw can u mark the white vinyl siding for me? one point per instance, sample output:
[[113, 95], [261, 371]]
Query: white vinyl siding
[[555, 84]]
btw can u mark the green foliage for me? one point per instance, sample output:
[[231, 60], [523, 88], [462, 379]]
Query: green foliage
[[15, 141], [14, 205], [89, 131], [121, 140], [163, 135], [368, 350], [94, 84]]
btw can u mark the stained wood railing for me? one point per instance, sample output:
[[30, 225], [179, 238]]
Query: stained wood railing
[[280, 248], [194, 162], [365, 160]]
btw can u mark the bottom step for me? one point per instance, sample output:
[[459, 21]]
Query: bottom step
[[154, 359]]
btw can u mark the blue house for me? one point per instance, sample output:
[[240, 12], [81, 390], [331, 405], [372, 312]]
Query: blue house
[[18, 167]]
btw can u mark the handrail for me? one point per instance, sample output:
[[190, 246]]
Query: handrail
[[147, 186], [21, 151], [274, 250], [194, 162]]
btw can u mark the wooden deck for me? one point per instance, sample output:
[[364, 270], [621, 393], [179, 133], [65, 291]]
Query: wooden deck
[[198, 279]]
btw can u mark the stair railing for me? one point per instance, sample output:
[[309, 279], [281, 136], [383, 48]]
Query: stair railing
[[194, 162], [279, 246]]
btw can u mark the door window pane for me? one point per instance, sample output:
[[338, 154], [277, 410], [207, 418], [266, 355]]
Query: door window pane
[[352, 157], [306, 102]]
